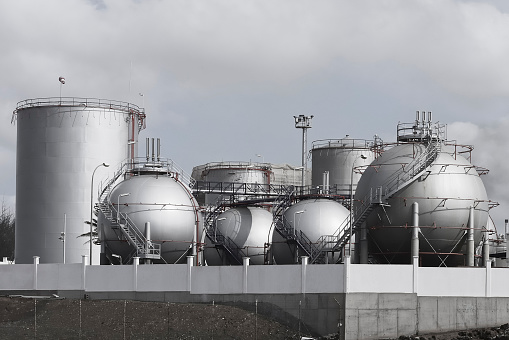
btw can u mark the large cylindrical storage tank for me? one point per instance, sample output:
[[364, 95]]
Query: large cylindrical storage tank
[[315, 218], [445, 193], [250, 228], [338, 157], [60, 142], [231, 172], [166, 204]]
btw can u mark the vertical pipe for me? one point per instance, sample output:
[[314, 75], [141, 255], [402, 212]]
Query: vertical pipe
[[470, 239], [147, 148], [158, 149], [363, 242], [486, 248], [506, 248], [153, 152], [148, 235], [415, 231]]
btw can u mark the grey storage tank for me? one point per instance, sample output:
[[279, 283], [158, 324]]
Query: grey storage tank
[[60, 143], [337, 158]]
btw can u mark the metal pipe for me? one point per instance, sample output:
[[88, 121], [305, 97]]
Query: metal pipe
[[92, 206], [506, 235], [153, 151], [363, 258], [158, 149], [415, 231], [485, 248], [147, 145], [470, 239]]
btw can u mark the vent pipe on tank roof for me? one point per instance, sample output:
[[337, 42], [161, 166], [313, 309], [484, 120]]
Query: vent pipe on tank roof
[[147, 142], [153, 151], [158, 149]]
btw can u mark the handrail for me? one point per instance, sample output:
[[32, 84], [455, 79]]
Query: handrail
[[141, 243], [394, 183]]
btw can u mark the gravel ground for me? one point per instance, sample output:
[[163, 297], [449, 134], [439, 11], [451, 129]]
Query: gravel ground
[[22, 318]]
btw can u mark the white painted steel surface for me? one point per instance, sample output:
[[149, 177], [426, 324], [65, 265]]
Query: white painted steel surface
[[58, 147], [315, 218], [250, 228], [445, 195], [162, 201]]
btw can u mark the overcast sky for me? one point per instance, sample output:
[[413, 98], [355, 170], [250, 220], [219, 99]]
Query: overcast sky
[[221, 80]]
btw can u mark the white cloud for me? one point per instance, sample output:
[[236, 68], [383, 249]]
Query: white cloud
[[490, 142]]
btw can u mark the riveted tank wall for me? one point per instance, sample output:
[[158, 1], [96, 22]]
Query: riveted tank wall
[[315, 218], [338, 158], [59, 144], [445, 193], [162, 201]]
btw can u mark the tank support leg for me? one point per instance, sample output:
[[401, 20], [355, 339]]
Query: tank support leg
[[485, 249], [470, 239], [415, 231]]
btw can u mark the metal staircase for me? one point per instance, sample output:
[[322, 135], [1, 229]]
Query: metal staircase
[[288, 232], [377, 197], [143, 248], [219, 240]]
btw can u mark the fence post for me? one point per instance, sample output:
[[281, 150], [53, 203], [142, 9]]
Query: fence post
[[189, 268], [36, 264], [136, 263], [84, 263], [245, 265]]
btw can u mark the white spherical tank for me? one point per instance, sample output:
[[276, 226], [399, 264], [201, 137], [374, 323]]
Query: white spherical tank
[[162, 201], [315, 218], [445, 192], [61, 143]]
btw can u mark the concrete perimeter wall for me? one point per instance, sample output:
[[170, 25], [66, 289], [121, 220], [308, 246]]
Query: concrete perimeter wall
[[357, 301]]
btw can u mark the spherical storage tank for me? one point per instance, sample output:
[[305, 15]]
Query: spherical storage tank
[[165, 203], [315, 218], [60, 142], [250, 228], [444, 193]]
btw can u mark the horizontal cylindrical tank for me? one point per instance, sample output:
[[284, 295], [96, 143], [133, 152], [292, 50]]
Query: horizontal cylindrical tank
[[338, 157], [250, 228], [166, 204], [315, 218], [445, 192], [60, 142]]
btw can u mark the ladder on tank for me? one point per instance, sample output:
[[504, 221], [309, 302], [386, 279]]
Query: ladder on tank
[[217, 238], [143, 248], [378, 197]]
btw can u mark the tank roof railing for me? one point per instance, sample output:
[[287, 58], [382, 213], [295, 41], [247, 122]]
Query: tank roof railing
[[235, 165], [167, 165], [347, 143], [84, 102], [420, 131]]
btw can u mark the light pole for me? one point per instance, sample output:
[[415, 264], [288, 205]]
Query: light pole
[[92, 206], [297, 168], [304, 123], [260, 156], [351, 206], [118, 204]]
